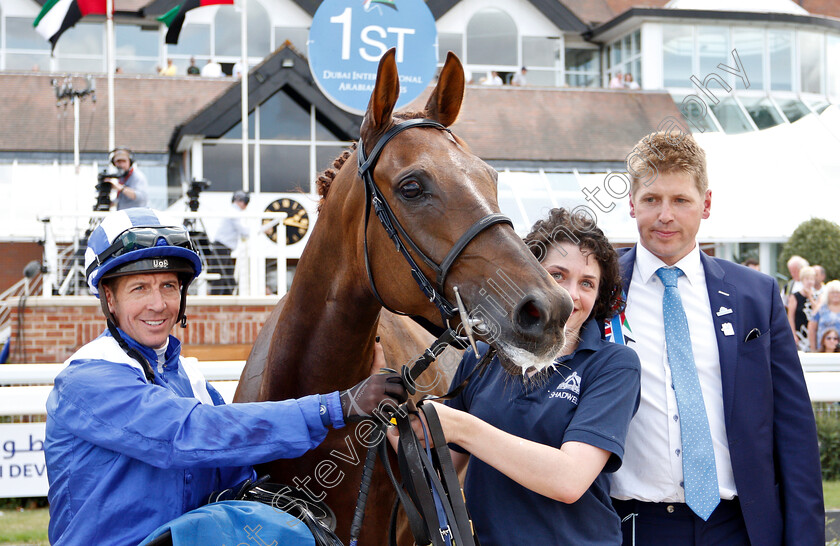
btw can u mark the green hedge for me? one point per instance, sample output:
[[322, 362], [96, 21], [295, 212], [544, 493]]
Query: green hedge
[[828, 432], [818, 241]]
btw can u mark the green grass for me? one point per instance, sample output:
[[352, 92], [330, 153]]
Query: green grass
[[29, 527], [26, 527], [831, 492]]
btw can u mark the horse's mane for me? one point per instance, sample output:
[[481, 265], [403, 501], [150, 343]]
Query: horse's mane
[[325, 179]]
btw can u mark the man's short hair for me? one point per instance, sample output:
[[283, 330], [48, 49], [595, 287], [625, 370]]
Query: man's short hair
[[667, 153], [796, 260]]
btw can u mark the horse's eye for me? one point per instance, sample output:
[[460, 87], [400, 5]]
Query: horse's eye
[[411, 190]]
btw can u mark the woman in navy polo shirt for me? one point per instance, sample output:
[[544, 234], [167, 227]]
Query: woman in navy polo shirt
[[541, 447]]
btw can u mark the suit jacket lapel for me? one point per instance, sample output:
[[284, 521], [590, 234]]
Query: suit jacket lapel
[[626, 263], [722, 296]]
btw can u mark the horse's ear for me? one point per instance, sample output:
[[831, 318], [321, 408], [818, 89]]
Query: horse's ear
[[445, 101], [384, 97]]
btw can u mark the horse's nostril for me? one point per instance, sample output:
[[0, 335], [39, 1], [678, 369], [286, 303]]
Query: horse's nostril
[[531, 309], [528, 316]]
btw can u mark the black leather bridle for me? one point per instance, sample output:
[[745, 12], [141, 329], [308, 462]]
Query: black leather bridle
[[401, 239]]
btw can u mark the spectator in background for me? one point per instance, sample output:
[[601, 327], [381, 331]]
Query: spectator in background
[[800, 308], [617, 81], [131, 184], [237, 69], [193, 70], [794, 264], [212, 69], [230, 232], [629, 83], [752, 263], [819, 282], [493, 79], [520, 78], [827, 315], [170, 70], [830, 342]]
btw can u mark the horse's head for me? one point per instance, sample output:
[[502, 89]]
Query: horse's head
[[438, 189]]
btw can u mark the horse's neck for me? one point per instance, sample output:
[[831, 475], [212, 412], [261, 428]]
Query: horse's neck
[[324, 336]]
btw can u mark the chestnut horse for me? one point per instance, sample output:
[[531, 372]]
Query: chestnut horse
[[320, 338]]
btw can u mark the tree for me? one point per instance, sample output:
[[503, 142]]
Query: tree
[[818, 241]]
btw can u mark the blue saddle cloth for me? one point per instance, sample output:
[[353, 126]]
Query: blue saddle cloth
[[235, 522]]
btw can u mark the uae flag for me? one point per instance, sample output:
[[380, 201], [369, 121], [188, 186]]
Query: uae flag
[[174, 18], [58, 15]]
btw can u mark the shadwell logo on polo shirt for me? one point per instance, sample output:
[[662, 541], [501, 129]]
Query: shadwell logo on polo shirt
[[568, 389]]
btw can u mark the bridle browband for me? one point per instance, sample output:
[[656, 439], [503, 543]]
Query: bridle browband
[[401, 239]]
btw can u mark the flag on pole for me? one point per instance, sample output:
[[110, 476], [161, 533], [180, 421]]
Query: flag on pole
[[58, 15], [174, 18]]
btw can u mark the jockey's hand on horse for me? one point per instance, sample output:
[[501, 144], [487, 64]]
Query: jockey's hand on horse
[[359, 401]]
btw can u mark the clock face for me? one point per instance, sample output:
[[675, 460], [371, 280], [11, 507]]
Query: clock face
[[296, 222]]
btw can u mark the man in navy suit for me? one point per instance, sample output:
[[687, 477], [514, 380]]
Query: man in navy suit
[[759, 449]]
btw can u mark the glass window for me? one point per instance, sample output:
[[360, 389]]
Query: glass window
[[582, 60], [793, 109], [77, 64], [539, 51], [492, 38], [134, 41], [749, 43], [713, 49], [636, 48], [677, 50], [20, 34], [223, 165], [833, 54], [817, 104], [296, 35], [82, 39], [28, 61], [326, 155], [731, 117], [449, 42], [810, 62], [581, 80], [284, 168], [762, 111], [550, 78], [697, 116], [236, 130], [281, 118], [133, 66], [615, 54], [780, 45], [562, 182], [322, 131], [229, 37], [193, 40]]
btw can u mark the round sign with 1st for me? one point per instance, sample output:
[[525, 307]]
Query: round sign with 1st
[[348, 37]]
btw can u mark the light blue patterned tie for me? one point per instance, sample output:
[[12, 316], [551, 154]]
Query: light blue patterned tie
[[699, 473]]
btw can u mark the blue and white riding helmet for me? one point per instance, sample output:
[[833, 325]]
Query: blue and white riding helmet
[[140, 240]]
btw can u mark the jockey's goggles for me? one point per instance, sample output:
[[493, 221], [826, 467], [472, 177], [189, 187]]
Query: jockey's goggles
[[139, 238]]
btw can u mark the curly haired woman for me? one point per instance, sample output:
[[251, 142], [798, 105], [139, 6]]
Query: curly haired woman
[[541, 446]]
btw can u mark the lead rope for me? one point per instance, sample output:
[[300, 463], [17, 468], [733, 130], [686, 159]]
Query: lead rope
[[410, 374]]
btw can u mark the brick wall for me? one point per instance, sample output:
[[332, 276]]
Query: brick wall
[[13, 258], [54, 328]]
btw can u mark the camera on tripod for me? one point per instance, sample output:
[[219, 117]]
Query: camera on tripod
[[103, 188], [197, 185]]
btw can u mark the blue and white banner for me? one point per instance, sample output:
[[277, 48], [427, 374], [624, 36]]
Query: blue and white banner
[[348, 37], [23, 471]]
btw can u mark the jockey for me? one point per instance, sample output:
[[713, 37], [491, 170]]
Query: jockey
[[135, 435]]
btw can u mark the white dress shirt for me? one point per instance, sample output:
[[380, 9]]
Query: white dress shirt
[[652, 468], [232, 229]]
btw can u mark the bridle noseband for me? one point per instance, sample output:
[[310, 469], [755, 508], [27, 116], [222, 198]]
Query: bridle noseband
[[395, 231]]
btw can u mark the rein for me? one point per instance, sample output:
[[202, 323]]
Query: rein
[[375, 199], [432, 498]]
